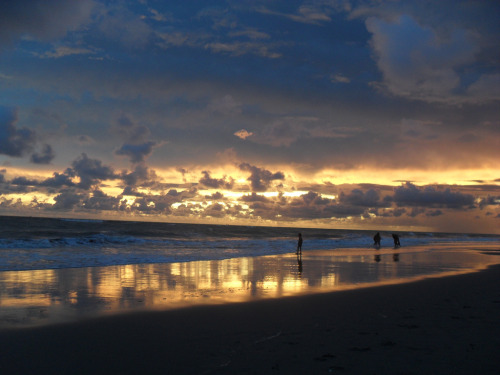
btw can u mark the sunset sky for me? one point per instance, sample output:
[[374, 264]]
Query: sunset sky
[[328, 113]]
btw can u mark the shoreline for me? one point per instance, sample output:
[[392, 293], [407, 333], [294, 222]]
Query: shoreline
[[55, 296], [445, 325]]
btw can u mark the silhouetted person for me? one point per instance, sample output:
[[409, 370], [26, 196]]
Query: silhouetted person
[[299, 244], [395, 237], [376, 239]]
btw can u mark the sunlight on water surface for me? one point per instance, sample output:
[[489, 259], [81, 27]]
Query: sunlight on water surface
[[38, 297]]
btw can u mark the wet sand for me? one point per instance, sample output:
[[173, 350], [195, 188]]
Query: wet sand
[[446, 325]]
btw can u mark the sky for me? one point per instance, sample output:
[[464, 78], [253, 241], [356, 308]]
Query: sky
[[314, 113]]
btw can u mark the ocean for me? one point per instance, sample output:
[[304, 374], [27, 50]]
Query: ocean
[[29, 243], [64, 270]]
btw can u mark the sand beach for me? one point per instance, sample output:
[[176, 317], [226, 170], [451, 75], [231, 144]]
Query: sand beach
[[431, 325]]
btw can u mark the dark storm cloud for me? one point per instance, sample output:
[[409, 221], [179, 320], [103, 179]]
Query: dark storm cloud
[[42, 19], [215, 196], [137, 152], [158, 204], [13, 141], [254, 198], [216, 183], [429, 51], [415, 211], [90, 171], [23, 181], [43, 157], [307, 206], [429, 196], [415, 63], [314, 199], [58, 180], [68, 199], [142, 175], [136, 145], [215, 210], [260, 178], [434, 213], [398, 211], [358, 197], [489, 201], [101, 202], [128, 129]]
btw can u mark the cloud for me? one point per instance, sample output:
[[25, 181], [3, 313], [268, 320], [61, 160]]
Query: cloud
[[101, 202], [254, 197], [243, 48], [243, 134], [357, 197], [287, 130], [160, 203], [215, 196], [90, 171], [13, 141], [410, 195], [434, 213], [486, 88], [23, 181], [67, 200], [137, 147], [119, 24], [260, 178], [85, 140], [339, 78], [140, 176], [489, 201], [250, 33], [226, 106], [62, 51], [137, 152], [43, 157], [42, 19], [308, 206], [215, 183], [307, 13], [58, 180], [128, 129], [416, 62]]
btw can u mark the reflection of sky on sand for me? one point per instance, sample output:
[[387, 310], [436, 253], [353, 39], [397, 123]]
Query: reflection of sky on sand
[[50, 296]]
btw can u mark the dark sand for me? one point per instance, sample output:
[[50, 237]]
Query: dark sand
[[445, 325]]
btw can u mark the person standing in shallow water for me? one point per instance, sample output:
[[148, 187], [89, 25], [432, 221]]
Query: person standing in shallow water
[[299, 244], [376, 239]]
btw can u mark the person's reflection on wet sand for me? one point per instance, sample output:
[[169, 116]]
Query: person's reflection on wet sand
[[395, 257], [299, 244], [377, 258], [299, 262]]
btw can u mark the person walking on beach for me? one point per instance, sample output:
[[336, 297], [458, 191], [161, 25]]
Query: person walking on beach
[[376, 240], [299, 244], [395, 237]]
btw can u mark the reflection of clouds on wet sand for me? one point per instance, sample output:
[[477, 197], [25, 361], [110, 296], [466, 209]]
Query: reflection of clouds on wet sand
[[51, 296]]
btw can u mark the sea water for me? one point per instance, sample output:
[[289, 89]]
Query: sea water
[[61, 270], [28, 243]]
